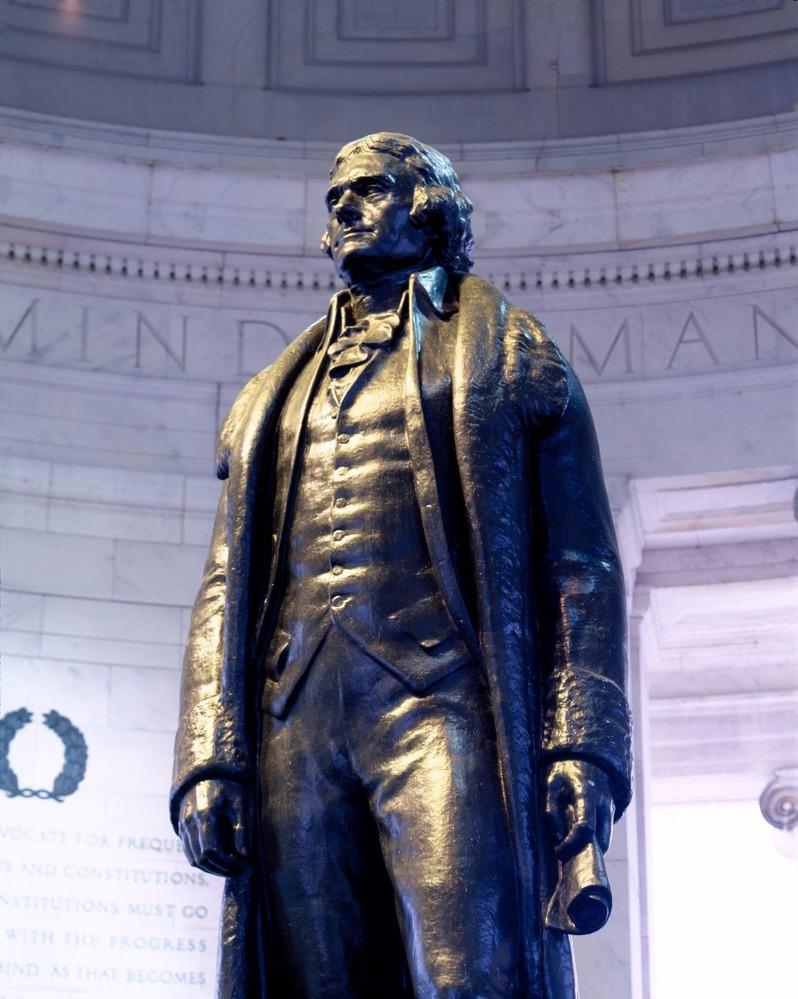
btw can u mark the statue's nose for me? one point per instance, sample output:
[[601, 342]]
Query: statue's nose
[[345, 211]]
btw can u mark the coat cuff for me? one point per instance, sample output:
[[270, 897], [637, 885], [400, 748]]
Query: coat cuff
[[207, 746], [586, 716]]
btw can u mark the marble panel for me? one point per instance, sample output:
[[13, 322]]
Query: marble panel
[[144, 699], [719, 563], [784, 165], [21, 643], [202, 493], [722, 196], [108, 401], [683, 24], [107, 443], [680, 11], [102, 38], [197, 528], [724, 743], [559, 45], [169, 459], [27, 476], [117, 486], [230, 55], [749, 612], [227, 397], [638, 41], [762, 433], [185, 621], [24, 611], [733, 673], [141, 755], [315, 218], [235, 208], [738, 506], [367, 50], [79, 690], [106, 520], [541, 212], [110, 652], [72, 189], [24, 511], [111, 619], [57, 563], [157, 573]]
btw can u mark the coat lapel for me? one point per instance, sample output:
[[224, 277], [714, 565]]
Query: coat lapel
[[248, 440], [316, 365], [421, 318]]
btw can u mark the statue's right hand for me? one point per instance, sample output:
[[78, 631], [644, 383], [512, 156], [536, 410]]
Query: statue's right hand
[[212, 825]]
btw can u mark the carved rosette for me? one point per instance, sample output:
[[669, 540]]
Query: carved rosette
[[779, 801]]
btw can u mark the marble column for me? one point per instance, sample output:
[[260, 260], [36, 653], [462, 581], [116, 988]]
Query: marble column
[[614, 963]]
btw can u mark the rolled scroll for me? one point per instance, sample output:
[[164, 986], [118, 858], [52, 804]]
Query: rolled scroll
[[582, 900]]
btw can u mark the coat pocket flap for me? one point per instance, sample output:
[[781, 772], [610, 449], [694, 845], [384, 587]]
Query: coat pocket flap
[[426, 620]]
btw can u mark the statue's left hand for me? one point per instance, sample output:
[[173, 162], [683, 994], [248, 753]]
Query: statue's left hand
[[212, 825], [579, 805]]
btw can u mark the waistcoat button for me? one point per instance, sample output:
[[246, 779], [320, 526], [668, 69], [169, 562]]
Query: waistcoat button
[[337, 570]]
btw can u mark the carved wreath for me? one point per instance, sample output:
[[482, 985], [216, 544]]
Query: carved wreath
[[75, 755]]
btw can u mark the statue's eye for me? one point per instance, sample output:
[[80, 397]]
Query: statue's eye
[[366, 188]]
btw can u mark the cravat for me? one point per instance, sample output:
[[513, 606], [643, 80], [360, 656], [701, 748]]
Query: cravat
[[355, 345]]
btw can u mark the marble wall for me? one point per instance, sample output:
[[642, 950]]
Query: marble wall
[[138, 292]]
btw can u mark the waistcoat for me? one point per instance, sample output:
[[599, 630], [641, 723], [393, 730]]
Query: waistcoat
[[356, 556]]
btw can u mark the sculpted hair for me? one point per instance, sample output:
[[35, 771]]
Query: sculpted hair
[[439, 205]]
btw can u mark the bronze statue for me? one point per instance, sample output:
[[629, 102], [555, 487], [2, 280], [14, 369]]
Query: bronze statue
[[404, 733]]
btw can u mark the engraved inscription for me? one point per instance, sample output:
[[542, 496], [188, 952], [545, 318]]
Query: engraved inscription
[[185, 342], [581, 352], [692, 333]]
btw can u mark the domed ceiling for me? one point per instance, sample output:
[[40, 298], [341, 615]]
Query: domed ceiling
[[449, 70]]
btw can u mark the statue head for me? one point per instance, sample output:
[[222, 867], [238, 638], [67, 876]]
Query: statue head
[[395, 205]]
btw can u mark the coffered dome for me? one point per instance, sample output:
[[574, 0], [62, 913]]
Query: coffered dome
[[472, 71]]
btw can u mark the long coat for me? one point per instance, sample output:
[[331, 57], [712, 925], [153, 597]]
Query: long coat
[[507, 470]]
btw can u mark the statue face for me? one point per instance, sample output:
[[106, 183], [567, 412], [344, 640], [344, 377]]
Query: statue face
[[370, 227]]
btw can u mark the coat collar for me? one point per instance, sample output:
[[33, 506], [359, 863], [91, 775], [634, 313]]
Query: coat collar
[[432, 284], [428, 285]]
